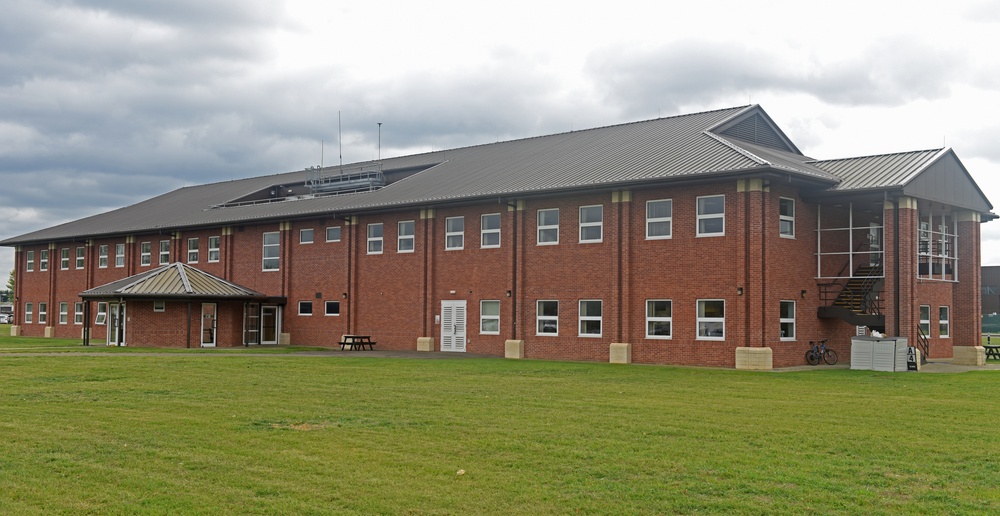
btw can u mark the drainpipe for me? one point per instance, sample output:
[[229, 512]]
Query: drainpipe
[[189, 326], [895, 216], [513, 275]]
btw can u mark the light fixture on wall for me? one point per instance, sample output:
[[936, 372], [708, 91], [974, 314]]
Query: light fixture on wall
[[803, 294], [739, 291], [508, 293]]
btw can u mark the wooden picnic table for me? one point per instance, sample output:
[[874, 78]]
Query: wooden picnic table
[[357, 342], [992, 352]]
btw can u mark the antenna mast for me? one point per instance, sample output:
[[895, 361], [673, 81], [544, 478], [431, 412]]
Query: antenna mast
[[379, 140], [340, 140]]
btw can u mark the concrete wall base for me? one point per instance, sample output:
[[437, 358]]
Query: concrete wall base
[[50, 331], [620, 353], [15, 331], [425, 343], [754, 359], [284, 339], [969, 355], [513, 349]]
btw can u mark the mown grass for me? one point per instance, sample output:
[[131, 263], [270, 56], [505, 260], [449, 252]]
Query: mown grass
[[195, 433]]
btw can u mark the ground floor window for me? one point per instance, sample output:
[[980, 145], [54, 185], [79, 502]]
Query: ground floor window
[[28, 316], [333, 308], [305, 308], [944, 325], [659, 318], [787, 320], [43, 313], [590, 318], [489, 317], [78, 313], [547, 318], [925, 320], [102, 313], [159, 306], [63, 313], [711, 319]]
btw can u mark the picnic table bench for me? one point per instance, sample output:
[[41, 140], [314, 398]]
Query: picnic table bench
[[992, 352], [357, 342]]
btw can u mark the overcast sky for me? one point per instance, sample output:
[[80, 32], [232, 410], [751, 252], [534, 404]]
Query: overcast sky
[[106, 103]]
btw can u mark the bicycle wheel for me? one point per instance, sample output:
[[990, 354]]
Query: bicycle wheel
[[812, 357], [830, 356]]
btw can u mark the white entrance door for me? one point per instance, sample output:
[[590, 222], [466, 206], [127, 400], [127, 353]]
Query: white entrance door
[[453, 326], [269, 325], [116, 324], [209, 319]]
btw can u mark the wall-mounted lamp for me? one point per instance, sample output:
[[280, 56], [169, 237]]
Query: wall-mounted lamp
[[344, 295], [452, 292], [739, 291], [803, 294], [508, 293]]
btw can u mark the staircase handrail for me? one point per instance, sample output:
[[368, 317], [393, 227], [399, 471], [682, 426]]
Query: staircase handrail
[[923, 343]]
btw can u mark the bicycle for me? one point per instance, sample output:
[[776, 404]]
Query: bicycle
[[819, 352]]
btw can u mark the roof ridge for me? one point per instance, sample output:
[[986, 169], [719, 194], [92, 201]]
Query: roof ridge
[[184, 279], [935, 150]]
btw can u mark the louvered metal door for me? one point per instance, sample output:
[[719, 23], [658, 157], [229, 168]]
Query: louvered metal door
[[453, 326]]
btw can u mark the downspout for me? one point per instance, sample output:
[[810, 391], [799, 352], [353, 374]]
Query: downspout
[[895, 216], [513, 275], [350, 276], [763, 260], [620, 286], [746, 264], [189, 325]]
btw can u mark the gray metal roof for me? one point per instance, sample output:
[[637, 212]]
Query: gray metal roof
[[659, 150], [882, 171], [176, 280]]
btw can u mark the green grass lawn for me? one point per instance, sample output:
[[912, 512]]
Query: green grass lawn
[[270, 434]]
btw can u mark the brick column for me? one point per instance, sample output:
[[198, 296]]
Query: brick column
[[966, 310], [752, 310], [902, 311]]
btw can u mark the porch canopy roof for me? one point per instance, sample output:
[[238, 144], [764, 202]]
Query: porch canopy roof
[[174, 281]]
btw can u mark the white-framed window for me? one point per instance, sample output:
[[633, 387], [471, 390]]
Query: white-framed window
[[272, 251], [145, 254], [489, 317], [454, 233], [944, 324], [63, 313], [28, 316], [659, 319], [591, 311], [332, 308], [547, 318], [192, 250], [80, 257], [489, 231], [786, 216], [405, 239], [659, 219], [102, 256], [119, 255], [711, 319], [591, 224], [375, 238], [333, 234], [102, 313], [64, 259], [711, 215], [43, 260], [77, 313], [29, 260], [159, 306], [164, 252], [306, 236], [925, 319], [786, 319], [214, 246], [305, 307], [43, 313], [548, 226]]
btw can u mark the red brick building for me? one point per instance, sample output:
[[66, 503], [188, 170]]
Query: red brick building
[[705, 239]]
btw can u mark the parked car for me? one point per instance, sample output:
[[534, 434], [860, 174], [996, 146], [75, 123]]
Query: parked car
[[6, 318]]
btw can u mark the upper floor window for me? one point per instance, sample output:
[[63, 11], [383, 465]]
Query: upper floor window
[[333, 234], [29, 260], [591, 224], [64, 259], [454, 233], [145, 253], [119, 255], [711, 319], [786, 209], [272, 251], [548, 226], [405, 238], [375, 238], [192, 250], [79, 257], [490, 231], [213, 249], [659, 219], [164, 252], [102, 256], [43, 260], [712, 215], [306, 236]]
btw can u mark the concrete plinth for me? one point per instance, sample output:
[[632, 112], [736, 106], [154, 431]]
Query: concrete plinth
[[620, 353], [15, 331], [50, 331], [284, 339], [754, 359], [969, 355], [425, 343], [513, 349]]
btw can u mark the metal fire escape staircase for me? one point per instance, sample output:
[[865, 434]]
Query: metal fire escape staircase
[[855, 300]]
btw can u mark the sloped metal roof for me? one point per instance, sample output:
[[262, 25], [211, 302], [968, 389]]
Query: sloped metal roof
[[881, 171], [176, 280]]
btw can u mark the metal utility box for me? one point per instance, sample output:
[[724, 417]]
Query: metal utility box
[[879, 354]]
